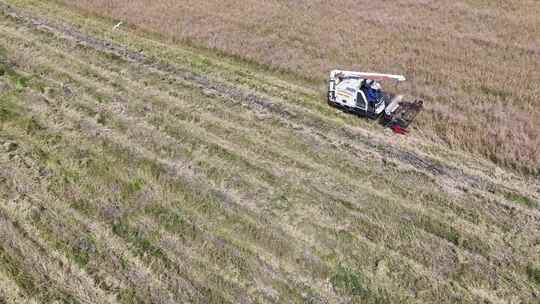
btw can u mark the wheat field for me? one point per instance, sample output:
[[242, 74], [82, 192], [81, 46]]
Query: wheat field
[[136, 168], [475, 62]]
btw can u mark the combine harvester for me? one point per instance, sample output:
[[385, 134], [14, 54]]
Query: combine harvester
[[361, 93]]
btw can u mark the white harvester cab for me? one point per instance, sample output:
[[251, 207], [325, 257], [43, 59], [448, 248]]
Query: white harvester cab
[[359, 92]]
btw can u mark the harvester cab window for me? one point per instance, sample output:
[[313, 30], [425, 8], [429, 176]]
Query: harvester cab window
[[372, 90]]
